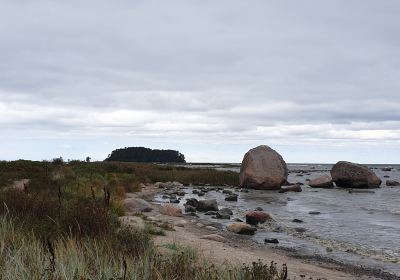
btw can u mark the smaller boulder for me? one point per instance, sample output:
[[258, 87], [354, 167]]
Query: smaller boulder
[[171, 210], [271, 240], [392, 183], [232, 197], [293, 188], [137, 205], [207, 205], [324, 181], [226, 211], [241, 228], [190, 209], [257, 217]]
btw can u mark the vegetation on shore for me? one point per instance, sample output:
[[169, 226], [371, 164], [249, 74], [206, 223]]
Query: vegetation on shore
[[64, 225]]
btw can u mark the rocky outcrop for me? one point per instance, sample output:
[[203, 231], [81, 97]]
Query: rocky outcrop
[[352, 175], [263, 168], [324, 181], [241, 228], [257, 217]]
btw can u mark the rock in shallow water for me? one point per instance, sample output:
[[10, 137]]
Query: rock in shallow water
[[271, 240], [324, 181], [207, 205], [392, 183], [352, 175], [263, 168], [257, 217], [293, 188]]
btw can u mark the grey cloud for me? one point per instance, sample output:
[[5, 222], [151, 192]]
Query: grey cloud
[[226, 69]]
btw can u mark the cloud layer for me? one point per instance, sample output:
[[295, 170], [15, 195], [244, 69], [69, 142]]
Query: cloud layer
[[211, 78]]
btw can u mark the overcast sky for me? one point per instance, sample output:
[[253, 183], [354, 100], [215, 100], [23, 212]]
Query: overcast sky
[[319, 81]]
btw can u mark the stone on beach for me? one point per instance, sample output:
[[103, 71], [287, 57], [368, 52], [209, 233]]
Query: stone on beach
[[137, 205], [241, 228], [352, 175], [213, 237], [263, 168], [171, 210], [392, 183], [257, 217], [292, 188], [207, 205], [324, 181]]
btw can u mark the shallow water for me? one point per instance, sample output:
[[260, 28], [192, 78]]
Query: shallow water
[[357, 228]]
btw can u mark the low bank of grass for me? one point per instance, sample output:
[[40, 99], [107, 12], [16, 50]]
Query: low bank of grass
[[65, 225], [126, 254]]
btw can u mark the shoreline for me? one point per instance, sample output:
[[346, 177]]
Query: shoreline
[[241, 249]]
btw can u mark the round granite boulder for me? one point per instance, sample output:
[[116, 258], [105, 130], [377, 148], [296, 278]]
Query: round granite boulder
[[351, 175], [263, 168]]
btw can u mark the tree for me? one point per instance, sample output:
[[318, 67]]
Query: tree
[[141, 154]]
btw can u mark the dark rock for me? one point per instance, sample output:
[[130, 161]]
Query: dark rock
[[226, 211], [271, 240], [231, 198], [227, 191], [297, 221], [189, 208], [259, 209], [314, 212], [392, 183], [387, 168], [293, 188], [174, 201], [192, 202], [222, 216], [256, 217], [207, 205], [300, 229]]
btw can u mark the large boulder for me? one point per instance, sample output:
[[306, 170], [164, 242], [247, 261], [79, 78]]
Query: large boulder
[[351, 175], [324, 181], [263, 168]]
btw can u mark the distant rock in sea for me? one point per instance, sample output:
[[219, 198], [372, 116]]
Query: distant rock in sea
[[351, 175], [324, 181], [263, 168]]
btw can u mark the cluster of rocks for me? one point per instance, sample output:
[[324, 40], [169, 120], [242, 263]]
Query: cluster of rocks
[[263, 168]]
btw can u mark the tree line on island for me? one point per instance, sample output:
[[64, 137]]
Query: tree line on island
[[142, 154]]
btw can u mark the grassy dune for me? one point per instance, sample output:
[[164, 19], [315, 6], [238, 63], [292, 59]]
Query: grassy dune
[[64, 225]]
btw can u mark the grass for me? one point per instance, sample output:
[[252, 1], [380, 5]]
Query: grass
[[65, 225]]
